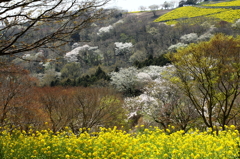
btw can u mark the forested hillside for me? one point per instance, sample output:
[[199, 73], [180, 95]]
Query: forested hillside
[[120, 40]]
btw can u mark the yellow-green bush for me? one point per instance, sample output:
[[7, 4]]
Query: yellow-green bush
[[111, 143]]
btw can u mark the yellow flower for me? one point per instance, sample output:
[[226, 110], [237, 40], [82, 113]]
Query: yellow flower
[[35, 151], [165, 155]]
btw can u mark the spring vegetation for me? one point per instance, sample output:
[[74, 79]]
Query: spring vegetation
[[80, 81]]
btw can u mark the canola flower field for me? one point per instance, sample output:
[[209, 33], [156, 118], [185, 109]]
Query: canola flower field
[[188, 12], [149, 143], [225, 4], [229, 16], [226, 14]]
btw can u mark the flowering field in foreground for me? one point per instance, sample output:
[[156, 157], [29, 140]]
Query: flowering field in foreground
[[111, 143]]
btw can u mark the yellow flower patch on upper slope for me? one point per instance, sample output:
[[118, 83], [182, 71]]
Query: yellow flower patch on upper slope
[[188, 12], [231, 3], [229, 15]]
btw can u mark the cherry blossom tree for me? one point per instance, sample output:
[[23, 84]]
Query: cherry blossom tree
[[162, 101], [122, 48], [125, 80]]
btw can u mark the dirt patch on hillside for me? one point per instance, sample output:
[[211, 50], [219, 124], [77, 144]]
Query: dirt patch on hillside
[[148, 15]]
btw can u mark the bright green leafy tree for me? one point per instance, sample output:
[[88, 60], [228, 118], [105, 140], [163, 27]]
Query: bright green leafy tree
[[209, 74]]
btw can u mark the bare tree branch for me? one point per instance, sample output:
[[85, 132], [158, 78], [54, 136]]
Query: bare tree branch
[[21, 22]]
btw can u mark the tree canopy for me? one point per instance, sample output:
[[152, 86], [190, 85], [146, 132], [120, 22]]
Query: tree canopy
[[209, 74]]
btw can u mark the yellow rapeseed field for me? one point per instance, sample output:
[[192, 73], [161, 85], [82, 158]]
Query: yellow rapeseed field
[[230, 3], [188, 12], [149, 143], [226, 14], [230, 16]]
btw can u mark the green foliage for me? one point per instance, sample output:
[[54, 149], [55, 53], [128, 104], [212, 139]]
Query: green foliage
[[78, 80], [209, 74], [158, 61], [125, 38], [71, 70]]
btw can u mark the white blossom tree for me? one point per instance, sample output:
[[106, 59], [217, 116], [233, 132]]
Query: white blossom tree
[[154, 9], [205, 37], [154, 71], [208, 34], [104, 29], [189, 38], [177, 46], [174, 108], [142, 8], [107, 29], [118, 22], [72, 56], [84, 54], [162, 101], [130, 79], [166, 5], [122, 48], [236, 24], [125, 80]]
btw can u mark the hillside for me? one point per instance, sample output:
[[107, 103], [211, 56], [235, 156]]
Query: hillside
[[126, 71], [148, 15], [226, 11], [234, 3], [123, 40]]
